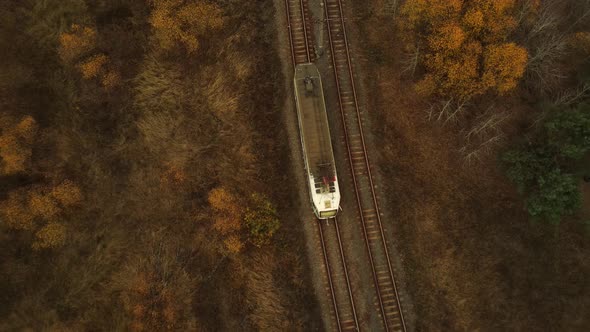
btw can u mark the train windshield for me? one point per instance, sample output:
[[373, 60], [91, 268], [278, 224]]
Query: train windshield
[[328, 214]]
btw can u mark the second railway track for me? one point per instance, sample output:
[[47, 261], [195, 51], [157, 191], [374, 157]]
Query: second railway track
[[338, 279], [388, 301]]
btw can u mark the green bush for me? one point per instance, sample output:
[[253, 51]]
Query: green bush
[[544, 168], [261, 219]]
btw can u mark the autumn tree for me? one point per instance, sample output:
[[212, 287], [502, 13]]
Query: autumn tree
[[79, 48], [16, 143], [40, 209], [91, 67], [51, 235], [79, 41], [15, 211], [261, 219], [464, 49], [227, 217], [66, 194], [183, 23], [503, 66]]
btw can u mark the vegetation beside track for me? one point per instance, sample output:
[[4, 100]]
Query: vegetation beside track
[[474, 257], [144, 176]]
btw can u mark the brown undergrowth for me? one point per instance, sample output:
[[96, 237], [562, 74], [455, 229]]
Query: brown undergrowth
[[142, 250]]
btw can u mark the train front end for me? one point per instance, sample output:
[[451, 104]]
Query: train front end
[[325, 196]]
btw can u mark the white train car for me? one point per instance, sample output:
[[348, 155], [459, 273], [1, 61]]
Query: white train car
[[315, 138]]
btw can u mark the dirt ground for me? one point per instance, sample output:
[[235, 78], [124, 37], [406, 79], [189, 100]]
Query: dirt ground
[[472, 259]]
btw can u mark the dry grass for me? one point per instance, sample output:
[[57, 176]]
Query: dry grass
[[145, 155], [267, 310]]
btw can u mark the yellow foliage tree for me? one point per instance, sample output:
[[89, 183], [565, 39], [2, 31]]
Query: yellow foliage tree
[[490, 20], [465, 53], [38, 209], [43, 205], [222, 200], [91, 67], [176, 22], [227, 219], [51, 235], [421, 15], [233, 244], [111, 79], [78, 48], [447, 38], [16, 142], [67, 193], [504, 65], [15, 212], [79, 41]]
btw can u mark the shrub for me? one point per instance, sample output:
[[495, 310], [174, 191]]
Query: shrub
[[16, 142], [51, 235], [76, 43], [262, 220], [543, 170], [177, 23], [91, 67]]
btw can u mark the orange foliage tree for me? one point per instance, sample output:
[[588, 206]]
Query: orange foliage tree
[[227, 220], [16, 142], [67, 194], [91, 67], [15, 211], [76, 43], [79, 47], [51, 235], [465, 53], [39, 209], [177, 22]]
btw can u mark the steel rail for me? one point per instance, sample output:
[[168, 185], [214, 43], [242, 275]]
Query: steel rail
[[366, 155], [368, 164], [290, 26], [304, 30], [330, 17], [294, 57], [350, 296], [328, 270], [290, 32], [354, 181]]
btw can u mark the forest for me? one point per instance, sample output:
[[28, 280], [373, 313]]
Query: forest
[[484, 108], [139, 174]]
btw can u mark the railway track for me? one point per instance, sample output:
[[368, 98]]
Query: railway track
[[300, 32], [302, 51], [387, 297], [388, 301], [338, 279]]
